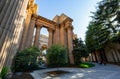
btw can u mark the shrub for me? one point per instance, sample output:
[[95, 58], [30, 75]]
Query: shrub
[[4, 72], [86, 65], [56, 56], [78, 53], [26, 59]]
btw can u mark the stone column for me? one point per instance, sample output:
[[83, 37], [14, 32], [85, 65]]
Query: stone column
[[4, 8], [50, 42], [18, 31], [118, 54], [5, 23], [9, 47], [25, 30], [5, 35], [62, 39], [2, 3], [57, 35], [37, 35], [30, 32], [69, 27], [65, 38]]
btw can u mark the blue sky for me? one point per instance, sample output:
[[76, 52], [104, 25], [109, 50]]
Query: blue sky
[[78, 10]]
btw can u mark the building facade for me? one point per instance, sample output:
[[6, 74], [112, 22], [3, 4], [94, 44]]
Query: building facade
[[43, 41]]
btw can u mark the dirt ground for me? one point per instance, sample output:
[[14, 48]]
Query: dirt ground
[[24, 75]]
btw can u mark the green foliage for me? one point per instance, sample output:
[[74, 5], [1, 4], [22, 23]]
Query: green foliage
[[56, 55], [96, 37], [26, 59], [40, 61], [104, 25], [116, 38], [4, 72], [86, 65], [79, 50]]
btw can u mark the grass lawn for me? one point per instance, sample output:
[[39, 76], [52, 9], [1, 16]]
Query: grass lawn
[[86, 65]]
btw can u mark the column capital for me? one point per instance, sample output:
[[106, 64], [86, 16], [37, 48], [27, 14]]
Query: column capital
[[68, 23], [57, 26], [29, 11], [34, 17], [49, 30], [39, 26], [70, 27], [62, 25]]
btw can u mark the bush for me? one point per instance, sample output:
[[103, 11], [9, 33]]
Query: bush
[[26, 60], [78, 54], [3, 73], [86, 65], [56, 56]]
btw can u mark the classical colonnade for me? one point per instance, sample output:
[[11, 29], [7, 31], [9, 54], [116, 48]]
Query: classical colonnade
[[18, 19], [58, 33], [111, 54]]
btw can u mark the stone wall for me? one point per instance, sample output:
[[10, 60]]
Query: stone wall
[[111, 54]]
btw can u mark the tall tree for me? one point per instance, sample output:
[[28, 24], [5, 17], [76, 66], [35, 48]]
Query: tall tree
[[79, 50], [104, 25]]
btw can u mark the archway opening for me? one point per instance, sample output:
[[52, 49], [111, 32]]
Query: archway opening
[[43, 39], [43, 42]]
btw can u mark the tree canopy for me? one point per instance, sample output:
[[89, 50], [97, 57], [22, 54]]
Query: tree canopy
[[104, 25]]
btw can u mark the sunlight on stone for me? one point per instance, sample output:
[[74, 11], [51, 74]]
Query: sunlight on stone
[[51, 77], [91, 71], [74, 77], [80, 74], [48, 77]]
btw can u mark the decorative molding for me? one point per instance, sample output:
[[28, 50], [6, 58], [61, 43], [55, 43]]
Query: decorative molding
[[46, 20]]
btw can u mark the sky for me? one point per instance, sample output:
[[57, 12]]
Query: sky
[[78, 10]]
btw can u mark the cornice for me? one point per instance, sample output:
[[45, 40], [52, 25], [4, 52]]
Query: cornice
[[46, 20], [68, 19]]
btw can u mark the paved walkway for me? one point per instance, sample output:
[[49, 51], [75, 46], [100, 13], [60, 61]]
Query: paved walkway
[[97, 72]]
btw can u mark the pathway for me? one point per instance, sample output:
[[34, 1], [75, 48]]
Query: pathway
[[97, 72]]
